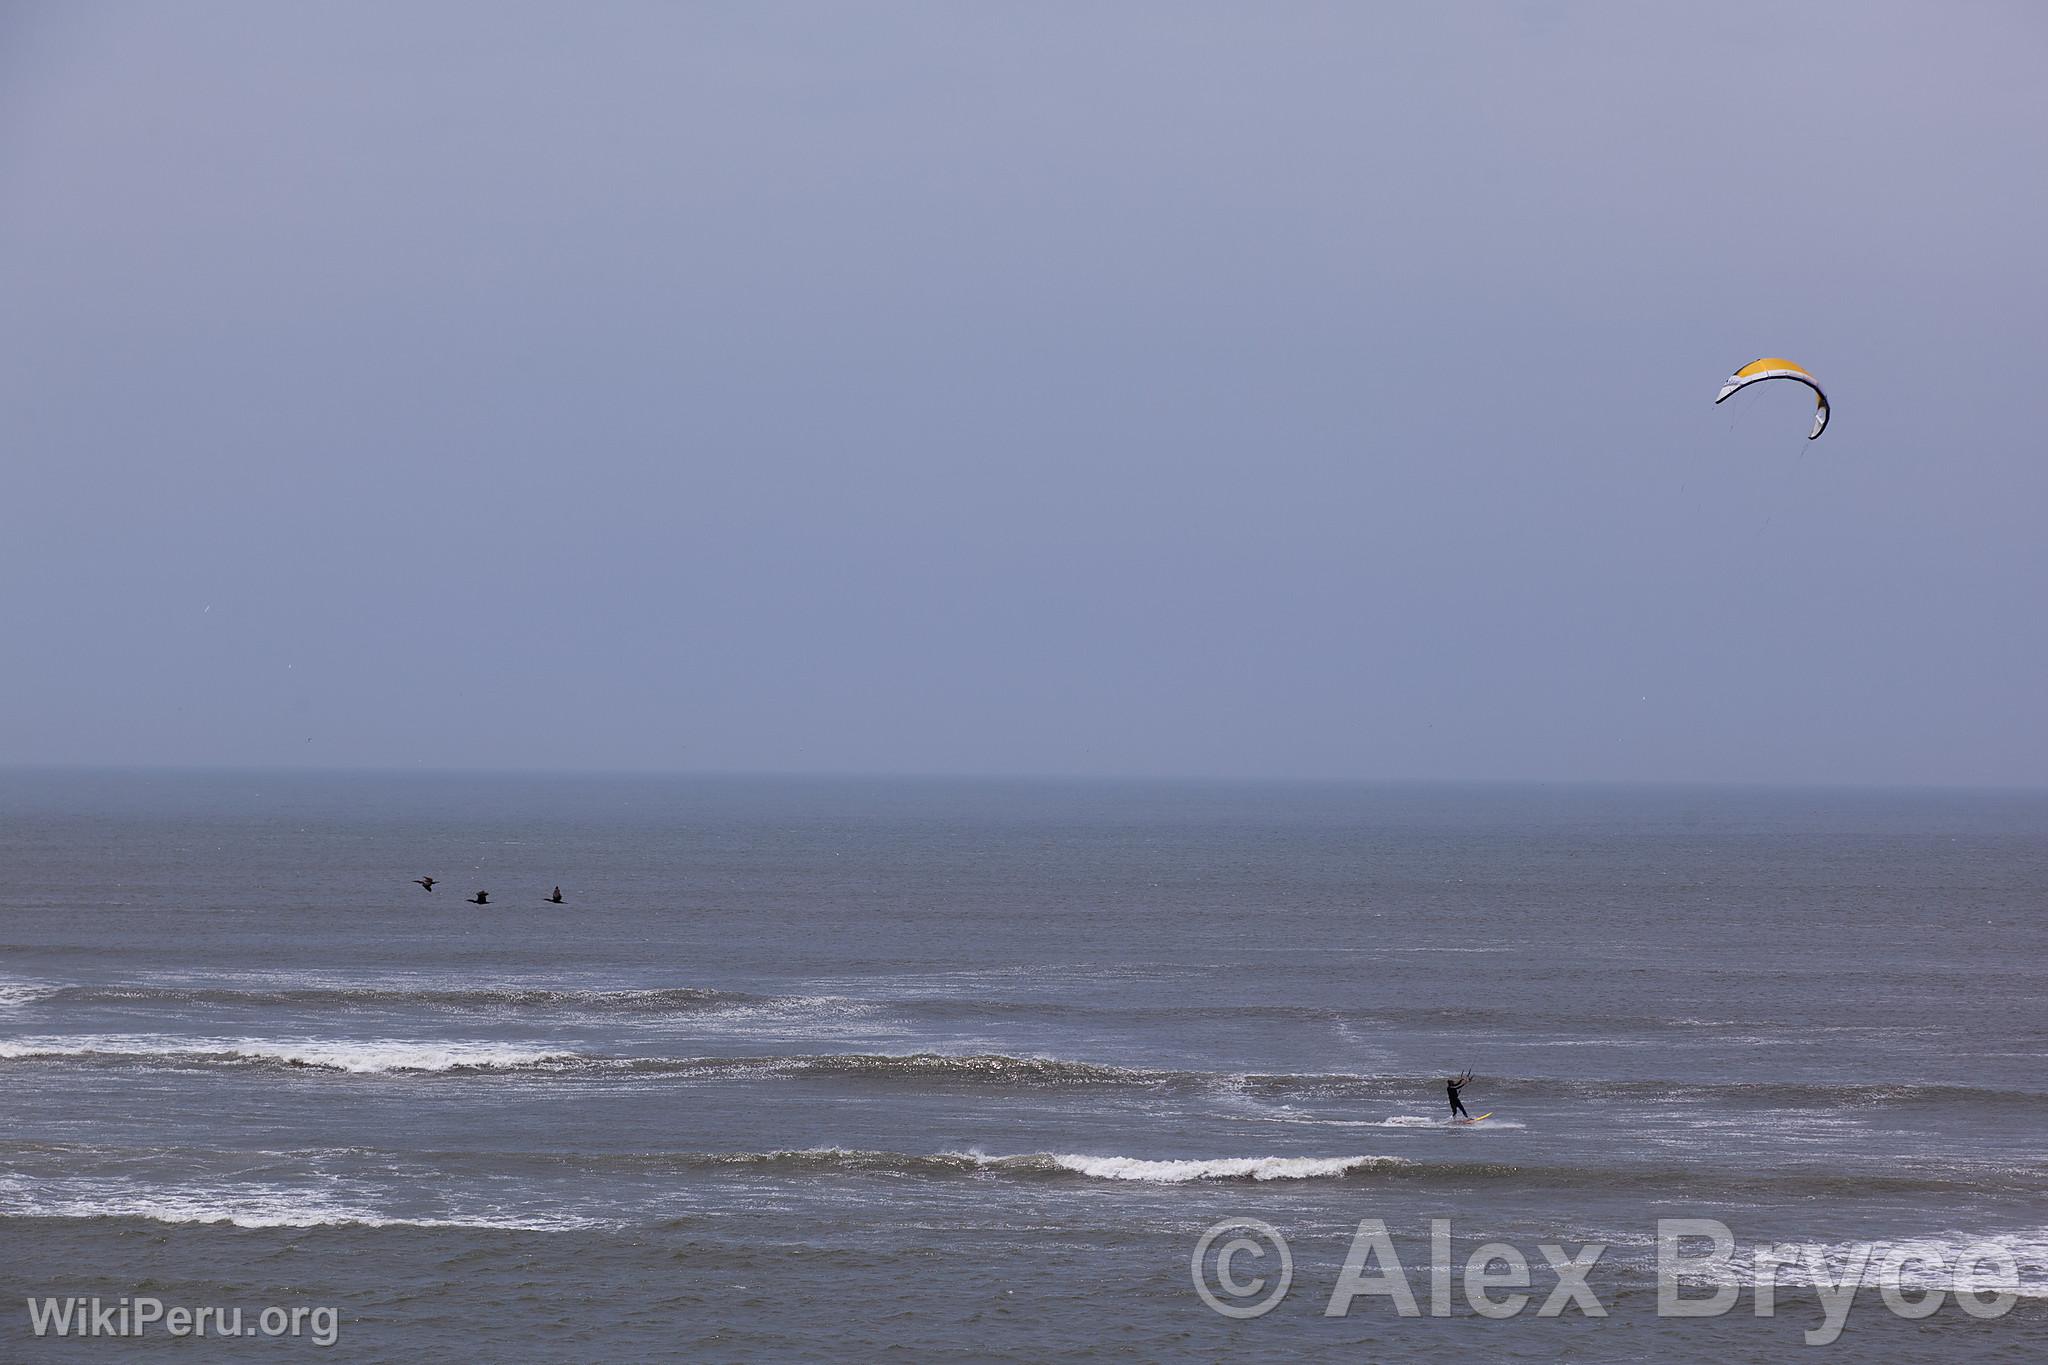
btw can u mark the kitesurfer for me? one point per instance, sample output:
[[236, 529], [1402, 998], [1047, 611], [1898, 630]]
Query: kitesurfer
[[1451, 1088]]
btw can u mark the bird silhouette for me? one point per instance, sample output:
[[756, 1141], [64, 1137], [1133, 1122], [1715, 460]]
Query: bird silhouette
[[480, 898], [556, 899], [427, 882]]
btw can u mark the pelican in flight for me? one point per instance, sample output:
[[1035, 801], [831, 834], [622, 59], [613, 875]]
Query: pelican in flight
[[480, 898], [556, 899], [427, 882]]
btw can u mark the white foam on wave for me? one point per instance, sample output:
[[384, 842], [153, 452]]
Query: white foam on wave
[[822, 1018], [380, 1055], [1393, 1121], [782, 1008], [1222, 1168], [261, 1207], [2011, 1262], [364, 1056], [16, 991]]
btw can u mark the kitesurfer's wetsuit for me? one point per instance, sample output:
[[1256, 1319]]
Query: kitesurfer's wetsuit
[[1457, 1108]]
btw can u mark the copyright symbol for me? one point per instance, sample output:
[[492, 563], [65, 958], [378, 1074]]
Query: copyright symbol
[[1219, 1282]]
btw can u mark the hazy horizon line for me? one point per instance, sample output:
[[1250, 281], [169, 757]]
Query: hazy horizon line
[[851, 775]]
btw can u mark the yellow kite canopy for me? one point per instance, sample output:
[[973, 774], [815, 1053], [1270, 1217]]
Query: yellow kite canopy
[[1776, 367]]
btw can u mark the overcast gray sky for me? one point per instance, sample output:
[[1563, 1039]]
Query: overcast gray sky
[[1266, 390]]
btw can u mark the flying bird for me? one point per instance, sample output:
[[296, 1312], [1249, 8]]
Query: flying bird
[[480, 898], [556, 899], [427, 882]]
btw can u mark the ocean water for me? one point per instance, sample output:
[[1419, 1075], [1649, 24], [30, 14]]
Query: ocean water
[[828, 1069]]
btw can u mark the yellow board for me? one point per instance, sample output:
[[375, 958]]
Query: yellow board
[[1487, 1115]]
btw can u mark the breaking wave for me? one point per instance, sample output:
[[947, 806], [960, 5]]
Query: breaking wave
[[372, 1056], [363, 1057], [1225, 1168], [16, 992], [456, 1169], [256, 1208], [839, 1160], [375, 1056]]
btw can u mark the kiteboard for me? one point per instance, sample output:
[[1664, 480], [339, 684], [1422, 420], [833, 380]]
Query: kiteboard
[[1476, 1118]]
